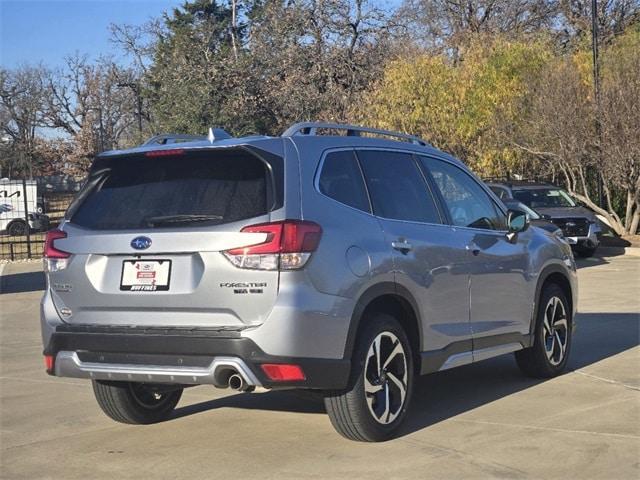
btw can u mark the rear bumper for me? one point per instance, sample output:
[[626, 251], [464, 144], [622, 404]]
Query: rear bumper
[[181, 356]]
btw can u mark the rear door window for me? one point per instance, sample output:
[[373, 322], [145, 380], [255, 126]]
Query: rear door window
[[203, 188], [397, 188], [342, 180]]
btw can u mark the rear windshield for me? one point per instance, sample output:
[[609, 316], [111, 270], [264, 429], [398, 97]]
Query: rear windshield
[[204, 188]]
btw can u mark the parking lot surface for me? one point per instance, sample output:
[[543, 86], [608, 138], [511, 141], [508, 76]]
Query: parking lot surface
[[480, 421]]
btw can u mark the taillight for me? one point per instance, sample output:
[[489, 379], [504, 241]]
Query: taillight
[[54, 258], [50, 251], [288, 246]]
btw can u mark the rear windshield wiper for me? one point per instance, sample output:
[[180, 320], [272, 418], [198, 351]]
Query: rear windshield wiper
[[171, 219]]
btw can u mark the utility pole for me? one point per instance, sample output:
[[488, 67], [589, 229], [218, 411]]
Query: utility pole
[[596, 92]]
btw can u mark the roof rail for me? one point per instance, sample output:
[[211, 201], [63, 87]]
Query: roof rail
[[513, 180], [498, 178], [311, 128]]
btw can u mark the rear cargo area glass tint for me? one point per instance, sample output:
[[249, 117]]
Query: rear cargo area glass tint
[[196, 188]]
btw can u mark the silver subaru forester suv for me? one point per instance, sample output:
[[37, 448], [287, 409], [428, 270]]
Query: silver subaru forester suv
[[334, 258]]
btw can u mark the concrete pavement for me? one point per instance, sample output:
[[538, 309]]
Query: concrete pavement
[[479, 421]]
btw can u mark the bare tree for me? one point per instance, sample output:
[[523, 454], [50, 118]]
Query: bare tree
[[614, 16], [449, 24], [314, 59], [22, 103], [620, 108], [558, 127], [91, 98]]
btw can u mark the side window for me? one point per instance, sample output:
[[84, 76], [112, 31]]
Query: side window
[[468, 204], [397, 187], [342, 180]]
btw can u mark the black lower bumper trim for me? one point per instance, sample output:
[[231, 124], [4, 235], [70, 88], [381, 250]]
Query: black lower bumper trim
[[170, 347]]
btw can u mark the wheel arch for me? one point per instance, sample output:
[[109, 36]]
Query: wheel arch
[[394, 300], [557, 275]]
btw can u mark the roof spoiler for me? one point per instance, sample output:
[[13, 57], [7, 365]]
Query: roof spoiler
[[215, 134]]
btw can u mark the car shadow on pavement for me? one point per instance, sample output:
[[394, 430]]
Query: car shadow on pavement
[[443, 395], [591, 262], [447, 394], [22, 282], [280, 401]]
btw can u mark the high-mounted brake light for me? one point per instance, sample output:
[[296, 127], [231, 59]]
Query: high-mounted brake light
[[50, 251], [288, 246], [165, 153]]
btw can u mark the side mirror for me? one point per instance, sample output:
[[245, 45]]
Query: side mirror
[[517, 221]]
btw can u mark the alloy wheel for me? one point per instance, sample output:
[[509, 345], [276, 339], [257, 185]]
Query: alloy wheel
[[385, 378], [555, 331]]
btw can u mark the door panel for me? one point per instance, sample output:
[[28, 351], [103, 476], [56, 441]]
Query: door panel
[[429, 259], [436, 272], [500, 300], [499, 294]]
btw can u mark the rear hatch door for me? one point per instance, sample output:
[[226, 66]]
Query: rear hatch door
[[147, 235]]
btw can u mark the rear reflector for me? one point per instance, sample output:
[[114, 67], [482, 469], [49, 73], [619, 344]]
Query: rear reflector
[[48, 363], [279, 372], [50, 251], [164, 153]]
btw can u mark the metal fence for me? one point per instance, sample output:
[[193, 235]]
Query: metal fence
[[28, 208]]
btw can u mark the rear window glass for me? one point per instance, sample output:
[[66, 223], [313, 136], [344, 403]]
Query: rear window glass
[[342, 180], [204, 188]]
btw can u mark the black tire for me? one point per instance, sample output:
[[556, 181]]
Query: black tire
[[135, 403], [17, 228], [535, 361], [350, 413]]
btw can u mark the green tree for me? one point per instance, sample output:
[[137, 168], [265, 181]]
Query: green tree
[[459, 107], [193, 69]]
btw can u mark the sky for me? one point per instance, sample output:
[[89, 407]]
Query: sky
[[34, 31]]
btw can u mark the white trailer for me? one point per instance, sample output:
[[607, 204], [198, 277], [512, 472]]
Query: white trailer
[[13, 218]]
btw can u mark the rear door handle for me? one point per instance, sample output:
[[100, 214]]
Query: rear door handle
[[402, 246]]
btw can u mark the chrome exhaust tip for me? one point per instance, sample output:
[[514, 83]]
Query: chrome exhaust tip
[[236, 382]]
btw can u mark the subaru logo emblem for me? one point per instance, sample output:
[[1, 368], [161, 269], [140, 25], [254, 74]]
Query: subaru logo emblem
[[141, 243]]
